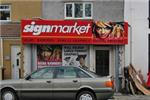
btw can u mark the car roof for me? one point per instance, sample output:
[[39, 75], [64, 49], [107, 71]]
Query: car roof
[[58, 66], [66, 67]]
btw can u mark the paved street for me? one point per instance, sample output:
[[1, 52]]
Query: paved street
[[119, 96]]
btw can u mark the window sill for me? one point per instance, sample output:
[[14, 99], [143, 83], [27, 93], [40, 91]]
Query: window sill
[[5, 21], [71, 18]]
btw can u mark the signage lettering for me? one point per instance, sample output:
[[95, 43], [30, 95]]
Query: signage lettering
[[38, 29]]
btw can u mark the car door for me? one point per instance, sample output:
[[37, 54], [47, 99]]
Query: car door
[[65, 83], [38, 85]]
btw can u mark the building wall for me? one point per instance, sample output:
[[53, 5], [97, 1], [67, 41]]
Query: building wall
[[105, 10], [9, 31], [27, 59], [0, 53], [136, 13], [1, 58], [108, 10], [23, 9], [20, 9]]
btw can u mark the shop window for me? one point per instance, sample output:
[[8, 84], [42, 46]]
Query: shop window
[[4, 13], [78, 10]]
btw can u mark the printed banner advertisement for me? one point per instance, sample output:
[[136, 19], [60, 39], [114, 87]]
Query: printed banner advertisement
[[110, 33], [49, 55], [75, 55]]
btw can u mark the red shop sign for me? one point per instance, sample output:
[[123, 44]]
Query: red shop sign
[[73, 32], [56, 31]]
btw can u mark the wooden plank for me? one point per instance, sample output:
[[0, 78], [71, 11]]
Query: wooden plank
[[133, 74], [131, 87]]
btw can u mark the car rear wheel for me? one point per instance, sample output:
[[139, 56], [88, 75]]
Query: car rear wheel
[[8, 94], [86, 95]]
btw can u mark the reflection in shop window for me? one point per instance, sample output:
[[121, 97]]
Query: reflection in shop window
[[78, 10], [69, 10], [4, 13], [88, 10]]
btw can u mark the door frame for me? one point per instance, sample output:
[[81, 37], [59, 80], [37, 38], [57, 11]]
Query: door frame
[[111, 64]]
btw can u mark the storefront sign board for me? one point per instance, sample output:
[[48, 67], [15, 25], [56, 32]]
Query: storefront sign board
[[73, 32]]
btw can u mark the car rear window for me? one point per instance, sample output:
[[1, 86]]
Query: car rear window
[[93, 74]]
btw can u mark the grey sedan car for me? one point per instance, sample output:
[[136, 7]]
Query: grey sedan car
[[58, 83]]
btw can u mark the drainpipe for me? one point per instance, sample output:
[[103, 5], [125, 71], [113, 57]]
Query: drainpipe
[[2, 61], [117, 68], [130, 44]]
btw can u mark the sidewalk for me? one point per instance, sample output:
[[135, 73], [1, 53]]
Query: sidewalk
[[119, 96]]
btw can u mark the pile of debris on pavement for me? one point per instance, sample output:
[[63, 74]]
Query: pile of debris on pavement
[[134, 82]]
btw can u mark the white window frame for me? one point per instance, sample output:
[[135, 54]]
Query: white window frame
[[65, 12], [91, 10], [73, 10], [9, 9]]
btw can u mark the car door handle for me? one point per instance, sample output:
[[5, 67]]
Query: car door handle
[[48, 81], [75, 81]]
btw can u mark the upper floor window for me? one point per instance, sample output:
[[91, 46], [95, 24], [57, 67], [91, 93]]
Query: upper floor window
[[78, 10], [4, 13]]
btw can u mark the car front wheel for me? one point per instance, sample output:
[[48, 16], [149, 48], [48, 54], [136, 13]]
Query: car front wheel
[[8, 94], [86, 95]]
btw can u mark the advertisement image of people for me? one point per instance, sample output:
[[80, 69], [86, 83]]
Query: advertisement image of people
[[81, 59], [49, 55], [109, 30], [75, 55]]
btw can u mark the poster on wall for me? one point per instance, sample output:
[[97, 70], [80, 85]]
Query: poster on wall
[[75, 55], [49, 55]]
